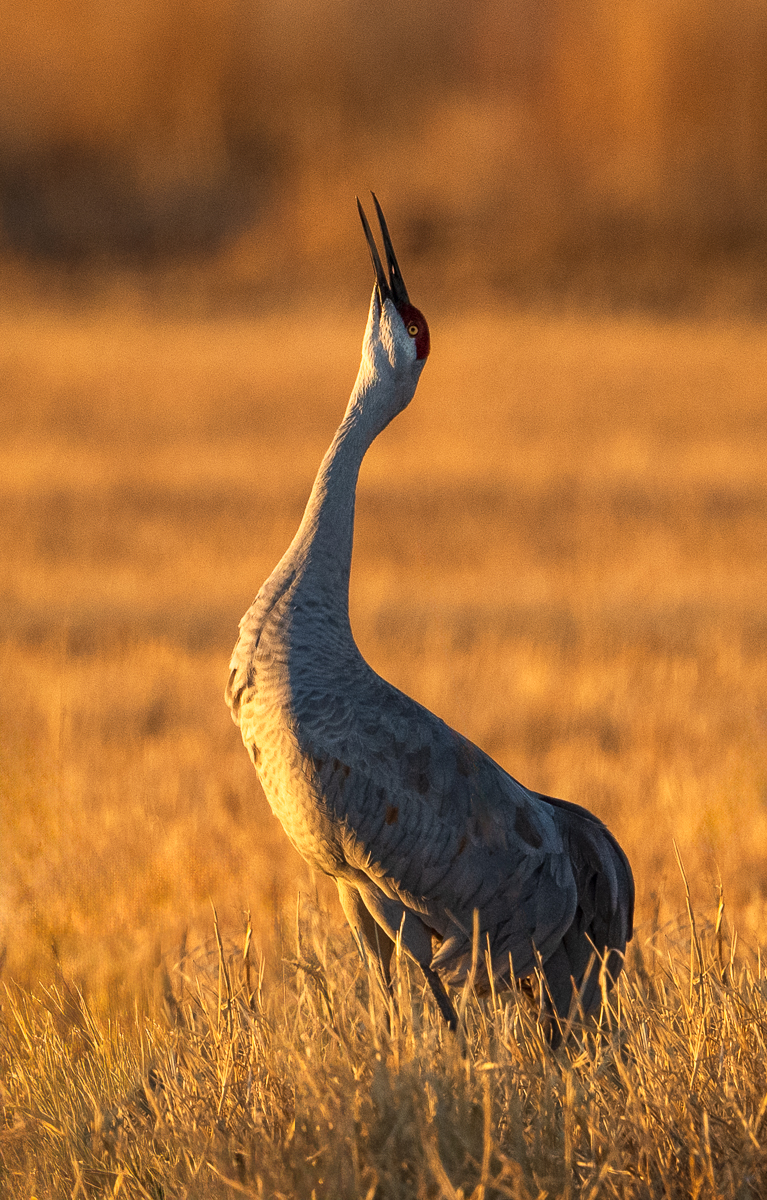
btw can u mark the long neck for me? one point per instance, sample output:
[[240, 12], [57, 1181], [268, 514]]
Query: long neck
[[321, 552]]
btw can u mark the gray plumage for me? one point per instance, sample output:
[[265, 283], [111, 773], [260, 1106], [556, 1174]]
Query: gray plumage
[[418, 827]]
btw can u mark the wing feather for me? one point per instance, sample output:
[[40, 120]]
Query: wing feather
[[435, 824], [430, 828]]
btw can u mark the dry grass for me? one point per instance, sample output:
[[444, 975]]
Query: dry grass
[[561, 550], [299, 1090]]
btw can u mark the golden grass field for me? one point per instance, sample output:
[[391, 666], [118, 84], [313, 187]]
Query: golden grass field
[[561, 550]]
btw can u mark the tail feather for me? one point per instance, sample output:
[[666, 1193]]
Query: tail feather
[[603, 922]]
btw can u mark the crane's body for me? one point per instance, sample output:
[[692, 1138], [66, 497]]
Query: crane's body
[[418, 826]]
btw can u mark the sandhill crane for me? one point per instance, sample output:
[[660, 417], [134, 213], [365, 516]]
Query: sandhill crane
[[417, 826]]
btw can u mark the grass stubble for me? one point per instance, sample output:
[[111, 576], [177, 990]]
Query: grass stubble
[[302, 1089], [560, 549]]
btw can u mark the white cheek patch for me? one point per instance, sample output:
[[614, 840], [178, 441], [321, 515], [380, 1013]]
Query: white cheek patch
[[395, 340], [387, 327], [387, 340]]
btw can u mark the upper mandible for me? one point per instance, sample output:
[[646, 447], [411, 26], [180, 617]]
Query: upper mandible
[[392, 287]]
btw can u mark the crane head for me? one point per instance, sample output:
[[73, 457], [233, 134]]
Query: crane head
[[392, 287]]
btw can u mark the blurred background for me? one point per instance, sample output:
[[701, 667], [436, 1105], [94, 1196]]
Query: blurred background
[[577, 150], [559, 547]]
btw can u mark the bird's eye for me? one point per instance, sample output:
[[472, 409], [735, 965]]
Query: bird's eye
[[412, 329]]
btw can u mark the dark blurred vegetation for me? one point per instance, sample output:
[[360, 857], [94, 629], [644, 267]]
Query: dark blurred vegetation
[[580, 149]]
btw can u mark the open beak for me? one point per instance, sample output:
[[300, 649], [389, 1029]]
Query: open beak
[[393, 287]]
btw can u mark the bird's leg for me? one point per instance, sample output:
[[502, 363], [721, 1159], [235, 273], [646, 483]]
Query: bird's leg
[[375, 946], [441, 996]]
